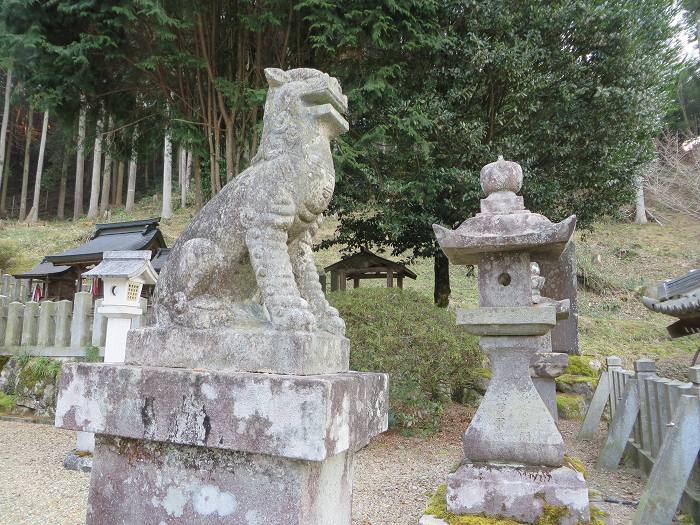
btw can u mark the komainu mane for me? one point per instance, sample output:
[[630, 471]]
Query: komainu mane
[[245, 259]]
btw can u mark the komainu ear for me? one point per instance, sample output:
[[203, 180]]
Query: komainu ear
[[276, 77]]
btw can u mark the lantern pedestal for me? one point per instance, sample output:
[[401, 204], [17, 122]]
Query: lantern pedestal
[[518, 492]]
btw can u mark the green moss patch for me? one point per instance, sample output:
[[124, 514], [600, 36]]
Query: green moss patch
[[7, 403], [570, 406], [578, 366], [576, 464], [551, 515], [437, 506]]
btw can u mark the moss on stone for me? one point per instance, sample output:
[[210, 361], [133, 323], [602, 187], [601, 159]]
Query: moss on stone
[[570, 406], [7, 402], [576, 464], [551, 514], [437, 506], [571, 378], [483, 372], [3, 359], [578, 366]]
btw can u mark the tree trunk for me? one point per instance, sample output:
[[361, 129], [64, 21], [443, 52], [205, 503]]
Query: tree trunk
[[119, 190], [183, 177], [167, 210], [198, 199], [80, 161], [131, 184], [640, 207], [6, 176], [107, 172], [60, 213], [33, 215], [5, 121], [229, 150], [93, 210], [29, 130], [441, 293]]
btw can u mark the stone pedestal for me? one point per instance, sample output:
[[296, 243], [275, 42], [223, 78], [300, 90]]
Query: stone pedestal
[[517, 492], [202, 446]]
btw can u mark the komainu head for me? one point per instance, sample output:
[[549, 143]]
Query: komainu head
[[301, 104]]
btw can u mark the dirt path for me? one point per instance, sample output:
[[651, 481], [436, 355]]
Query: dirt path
[[393, 476]]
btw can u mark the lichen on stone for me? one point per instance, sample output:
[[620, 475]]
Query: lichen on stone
[[551, 514], [576, 464]]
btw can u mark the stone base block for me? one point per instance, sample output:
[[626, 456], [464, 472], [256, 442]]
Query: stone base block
[[296, 417], [239, 350], [177, 485], [517, 492], [76, 460]]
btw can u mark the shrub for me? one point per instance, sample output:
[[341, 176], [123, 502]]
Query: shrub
[[7, 402], [428, 358], [9, 253], [92, 354]]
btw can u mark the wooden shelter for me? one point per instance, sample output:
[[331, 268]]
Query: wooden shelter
[[366, 265], [60, 274]]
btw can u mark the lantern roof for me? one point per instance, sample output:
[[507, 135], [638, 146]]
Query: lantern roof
[[126, 264]]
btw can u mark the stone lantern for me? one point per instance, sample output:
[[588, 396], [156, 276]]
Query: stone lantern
[[123, 275], [514, 453]]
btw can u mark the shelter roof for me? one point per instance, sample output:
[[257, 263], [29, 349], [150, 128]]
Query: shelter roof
[[127, 264], [160, 258], [43, 270], [367, 259], [118, 236]]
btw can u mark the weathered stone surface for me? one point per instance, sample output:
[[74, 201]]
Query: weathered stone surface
[[30, 324], [548, 392], [507, 320], [299, 417], [246, 258], [239, 350], [77, 461], [512, 424], [517, 492], [548, 364], [174, 484], [561, 283]]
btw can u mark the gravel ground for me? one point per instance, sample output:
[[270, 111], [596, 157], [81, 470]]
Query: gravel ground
[[393, 476]]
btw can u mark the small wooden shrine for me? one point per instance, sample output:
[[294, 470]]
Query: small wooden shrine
[[366, 265]]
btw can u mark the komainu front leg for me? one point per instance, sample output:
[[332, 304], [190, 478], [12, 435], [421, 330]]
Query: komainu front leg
[[309, 286], [267, 244]]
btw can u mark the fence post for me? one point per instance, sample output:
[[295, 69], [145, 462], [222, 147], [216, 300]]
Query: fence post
[[620, 427], [79, 328], [47, 324], [63, 322], [13, 330], [8, 283], [30, 324], [99, 325], [614, 365], [596, 408], [3, 317], [645, 369], [666, 483]]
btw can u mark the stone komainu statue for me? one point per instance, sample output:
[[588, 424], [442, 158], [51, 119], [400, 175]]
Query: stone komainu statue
[[245, 259]]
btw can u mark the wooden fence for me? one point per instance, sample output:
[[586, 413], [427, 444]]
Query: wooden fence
[[655, 424]]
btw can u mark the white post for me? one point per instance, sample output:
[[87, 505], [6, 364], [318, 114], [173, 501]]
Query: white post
[[167, 210]]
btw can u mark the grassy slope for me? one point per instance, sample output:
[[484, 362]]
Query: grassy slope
[[612, 320]]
